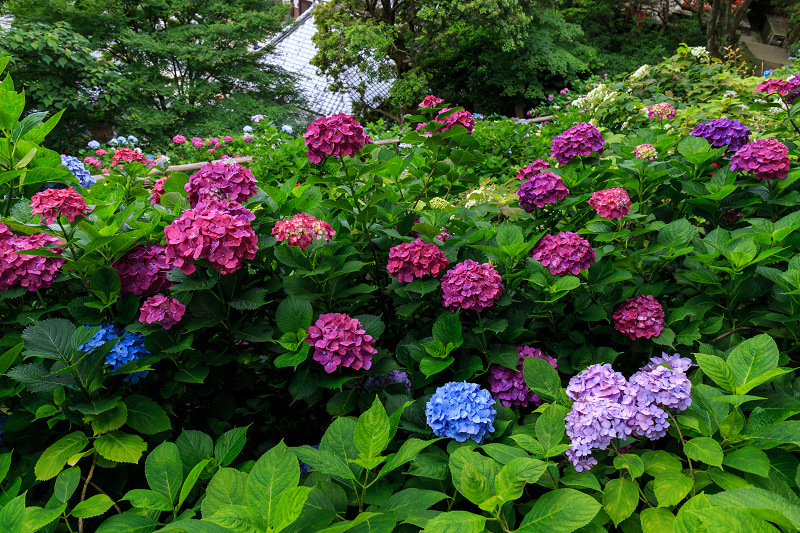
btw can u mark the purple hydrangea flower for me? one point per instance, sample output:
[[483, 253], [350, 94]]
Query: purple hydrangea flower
[[597, 381], [509, 386], [675, 361], [564, 253], [461, 411], [398, 375], [721, 132], [471, 285], [578, 141], [541, 189]]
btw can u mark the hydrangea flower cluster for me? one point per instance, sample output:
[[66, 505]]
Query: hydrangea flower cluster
[[29, 271], [766, 159], [100, 153], [52, 203], [158, 308], [179, 139], [130, 347], [126, 154], [94, 145], [789, 89], [393, 377], [509, 386], [608, 407], [258, 118], [211, 233], [301, 230], [611, 203], [158, 191], [564, 253], [661, 110], [340, 341], [337, 136], [532, 169], [541, 189], [197, 142], [645, 151], [731, 216], [639, 317], [721, 132], [461, 411], [471, 285], [77, 169], [415, 259], [93, 161], [578, 141], [143, 270], [221, 180], [430, 101], [461, 117]]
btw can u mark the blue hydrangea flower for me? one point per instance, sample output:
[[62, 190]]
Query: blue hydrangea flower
[[75, 166], [287, 129], [122, 140], [306, 468], [130, 347], [113, 142], [461, 411], [132, 139], [248, 129], [94, 145]]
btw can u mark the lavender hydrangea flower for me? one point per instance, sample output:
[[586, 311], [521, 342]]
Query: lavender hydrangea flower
[[675, 361], [597, 381], [721, 132], [461, 411], [287, 129], [76, 168], [94, 145]]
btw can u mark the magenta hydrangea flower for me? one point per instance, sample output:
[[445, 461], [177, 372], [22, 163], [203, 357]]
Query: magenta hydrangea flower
[[197, 142], [168, 311], [721, 132], [661, 110], [471, 285], [645, 151], [158, 191], [611, 203], [564, 253], [509, 387], [578, 141], [788, 89], [731, 216], [340, 341], [461, 117], [143, 270], [122, 155], [541, 189], [765, 159], [639, 317], [222, 237], [29, 271], [301, 230], [228, 139], [52, 203], [415, 259], [179, 139], [430, 101], [532, 169], [223, 181], [336, 136]]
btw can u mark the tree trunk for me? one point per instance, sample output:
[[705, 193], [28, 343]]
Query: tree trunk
[[712, 30], [732, 38], [519, 106]]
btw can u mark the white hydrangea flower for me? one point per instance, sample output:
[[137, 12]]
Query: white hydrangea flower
[[730, 94], [700, 52], [641, 72]]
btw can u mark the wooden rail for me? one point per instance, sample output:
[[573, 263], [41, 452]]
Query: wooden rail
[[191, 167]]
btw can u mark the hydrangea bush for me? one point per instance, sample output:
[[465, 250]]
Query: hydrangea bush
[[395, 316]]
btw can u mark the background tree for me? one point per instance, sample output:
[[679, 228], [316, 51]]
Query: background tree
[[58, 70], [186, 64]]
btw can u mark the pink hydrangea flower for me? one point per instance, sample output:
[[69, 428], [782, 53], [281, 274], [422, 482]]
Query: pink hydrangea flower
[[578, 141], [462, 117], [29, 271], [228, 139], [301, 230], [661, 110], [414, 260], [158, 191], [639, 317], [89, 160], [430, 101], [221, 180], [541, 189], [611, 203], [100, 152], [197, 142], [52, 203], [340, 341], [179, 139], [564, 253], [337, 136], [168, 311], [532, 169], [105, 171], [509, 387], [126, 154], [645, 151], [471, 285], [766, 159], [789, 89], [212, 233], [143, 270]]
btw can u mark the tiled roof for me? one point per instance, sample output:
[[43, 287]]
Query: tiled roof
[[294, 50]]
